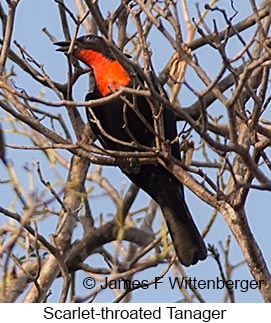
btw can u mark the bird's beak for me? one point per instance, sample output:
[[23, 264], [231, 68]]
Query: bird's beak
[[63, 46]]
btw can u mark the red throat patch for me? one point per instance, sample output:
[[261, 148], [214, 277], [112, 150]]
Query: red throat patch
[[109, 75]]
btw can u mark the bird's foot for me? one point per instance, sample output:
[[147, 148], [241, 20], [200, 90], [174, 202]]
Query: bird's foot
[[129, 165]]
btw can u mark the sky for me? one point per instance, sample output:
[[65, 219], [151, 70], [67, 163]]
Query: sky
[[32, 16]]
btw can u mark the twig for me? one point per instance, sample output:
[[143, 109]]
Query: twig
[[12, 5]]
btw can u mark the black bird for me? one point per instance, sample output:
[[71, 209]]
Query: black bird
[[129, 127]]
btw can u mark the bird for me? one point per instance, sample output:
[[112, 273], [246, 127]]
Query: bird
[[126, 125]]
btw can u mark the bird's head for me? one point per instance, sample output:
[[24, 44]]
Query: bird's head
[[87, 42]]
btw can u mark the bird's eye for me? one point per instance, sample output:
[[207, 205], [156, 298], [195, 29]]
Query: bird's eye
[[88, 37]]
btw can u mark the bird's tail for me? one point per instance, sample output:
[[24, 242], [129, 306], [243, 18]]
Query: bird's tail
[[167, 191], [187, 241]]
